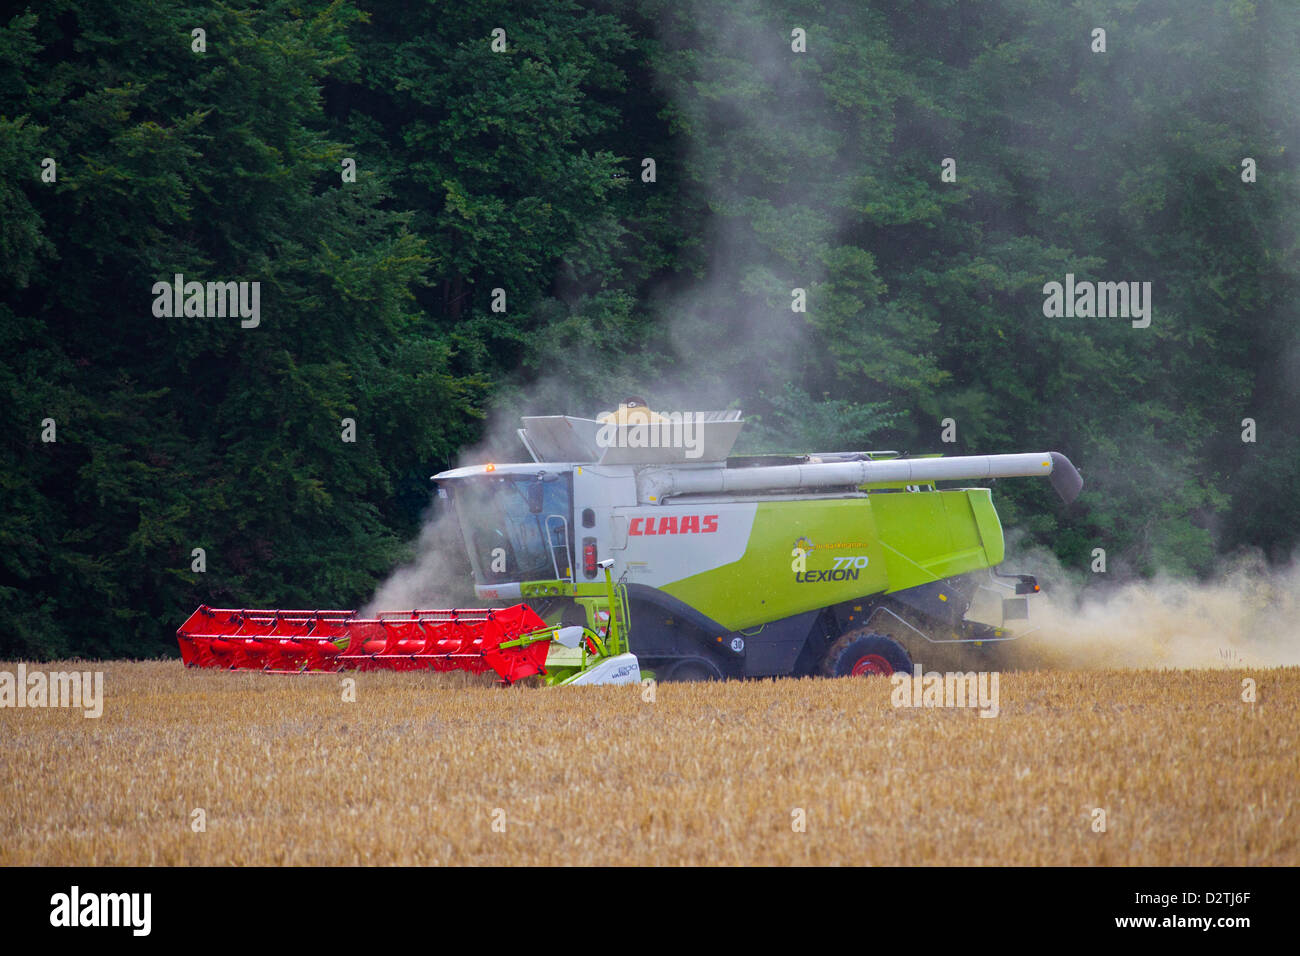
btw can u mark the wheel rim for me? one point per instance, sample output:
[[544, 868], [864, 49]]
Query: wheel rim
[[870, 664]]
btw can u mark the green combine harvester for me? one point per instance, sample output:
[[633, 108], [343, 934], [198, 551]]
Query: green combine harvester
[[831, 563], [634, 545]]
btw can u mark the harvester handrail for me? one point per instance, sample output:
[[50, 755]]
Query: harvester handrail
[[282, 612], [424, 614], [303, 614]]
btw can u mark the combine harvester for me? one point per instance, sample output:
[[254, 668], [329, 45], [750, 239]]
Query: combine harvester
[[691, 565]]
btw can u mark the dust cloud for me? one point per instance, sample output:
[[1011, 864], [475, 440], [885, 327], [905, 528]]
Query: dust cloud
[[1248, 616], [438, 576]]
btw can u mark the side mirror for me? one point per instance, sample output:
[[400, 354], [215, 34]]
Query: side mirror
[[535, 498]]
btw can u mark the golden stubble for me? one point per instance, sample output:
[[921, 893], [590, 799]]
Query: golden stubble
[[419, 767]]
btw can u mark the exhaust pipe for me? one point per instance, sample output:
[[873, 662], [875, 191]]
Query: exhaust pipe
[[656, 484]]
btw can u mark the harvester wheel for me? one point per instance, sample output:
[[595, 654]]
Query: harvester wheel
[[863, 653], [694, 669]]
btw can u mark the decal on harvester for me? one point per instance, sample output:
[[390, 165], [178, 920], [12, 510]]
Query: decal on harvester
[[681, 542], [835, 574], [674, 524], [846, 568], [805, 544]]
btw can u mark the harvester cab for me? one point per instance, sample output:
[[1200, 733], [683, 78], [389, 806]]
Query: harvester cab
[[636, 544]]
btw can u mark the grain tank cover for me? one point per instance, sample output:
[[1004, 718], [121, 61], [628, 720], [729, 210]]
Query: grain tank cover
[[649, 438]]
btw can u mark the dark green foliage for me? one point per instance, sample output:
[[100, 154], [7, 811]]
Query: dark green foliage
[[183, 433], [522, 171]]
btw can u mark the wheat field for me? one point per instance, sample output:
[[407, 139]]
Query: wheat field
[[203, 767]]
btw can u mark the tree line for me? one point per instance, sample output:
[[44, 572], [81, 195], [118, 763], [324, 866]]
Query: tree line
[[840, 217]]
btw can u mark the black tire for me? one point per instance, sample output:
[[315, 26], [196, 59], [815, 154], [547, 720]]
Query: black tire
[[694, 669], [865, 653]]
